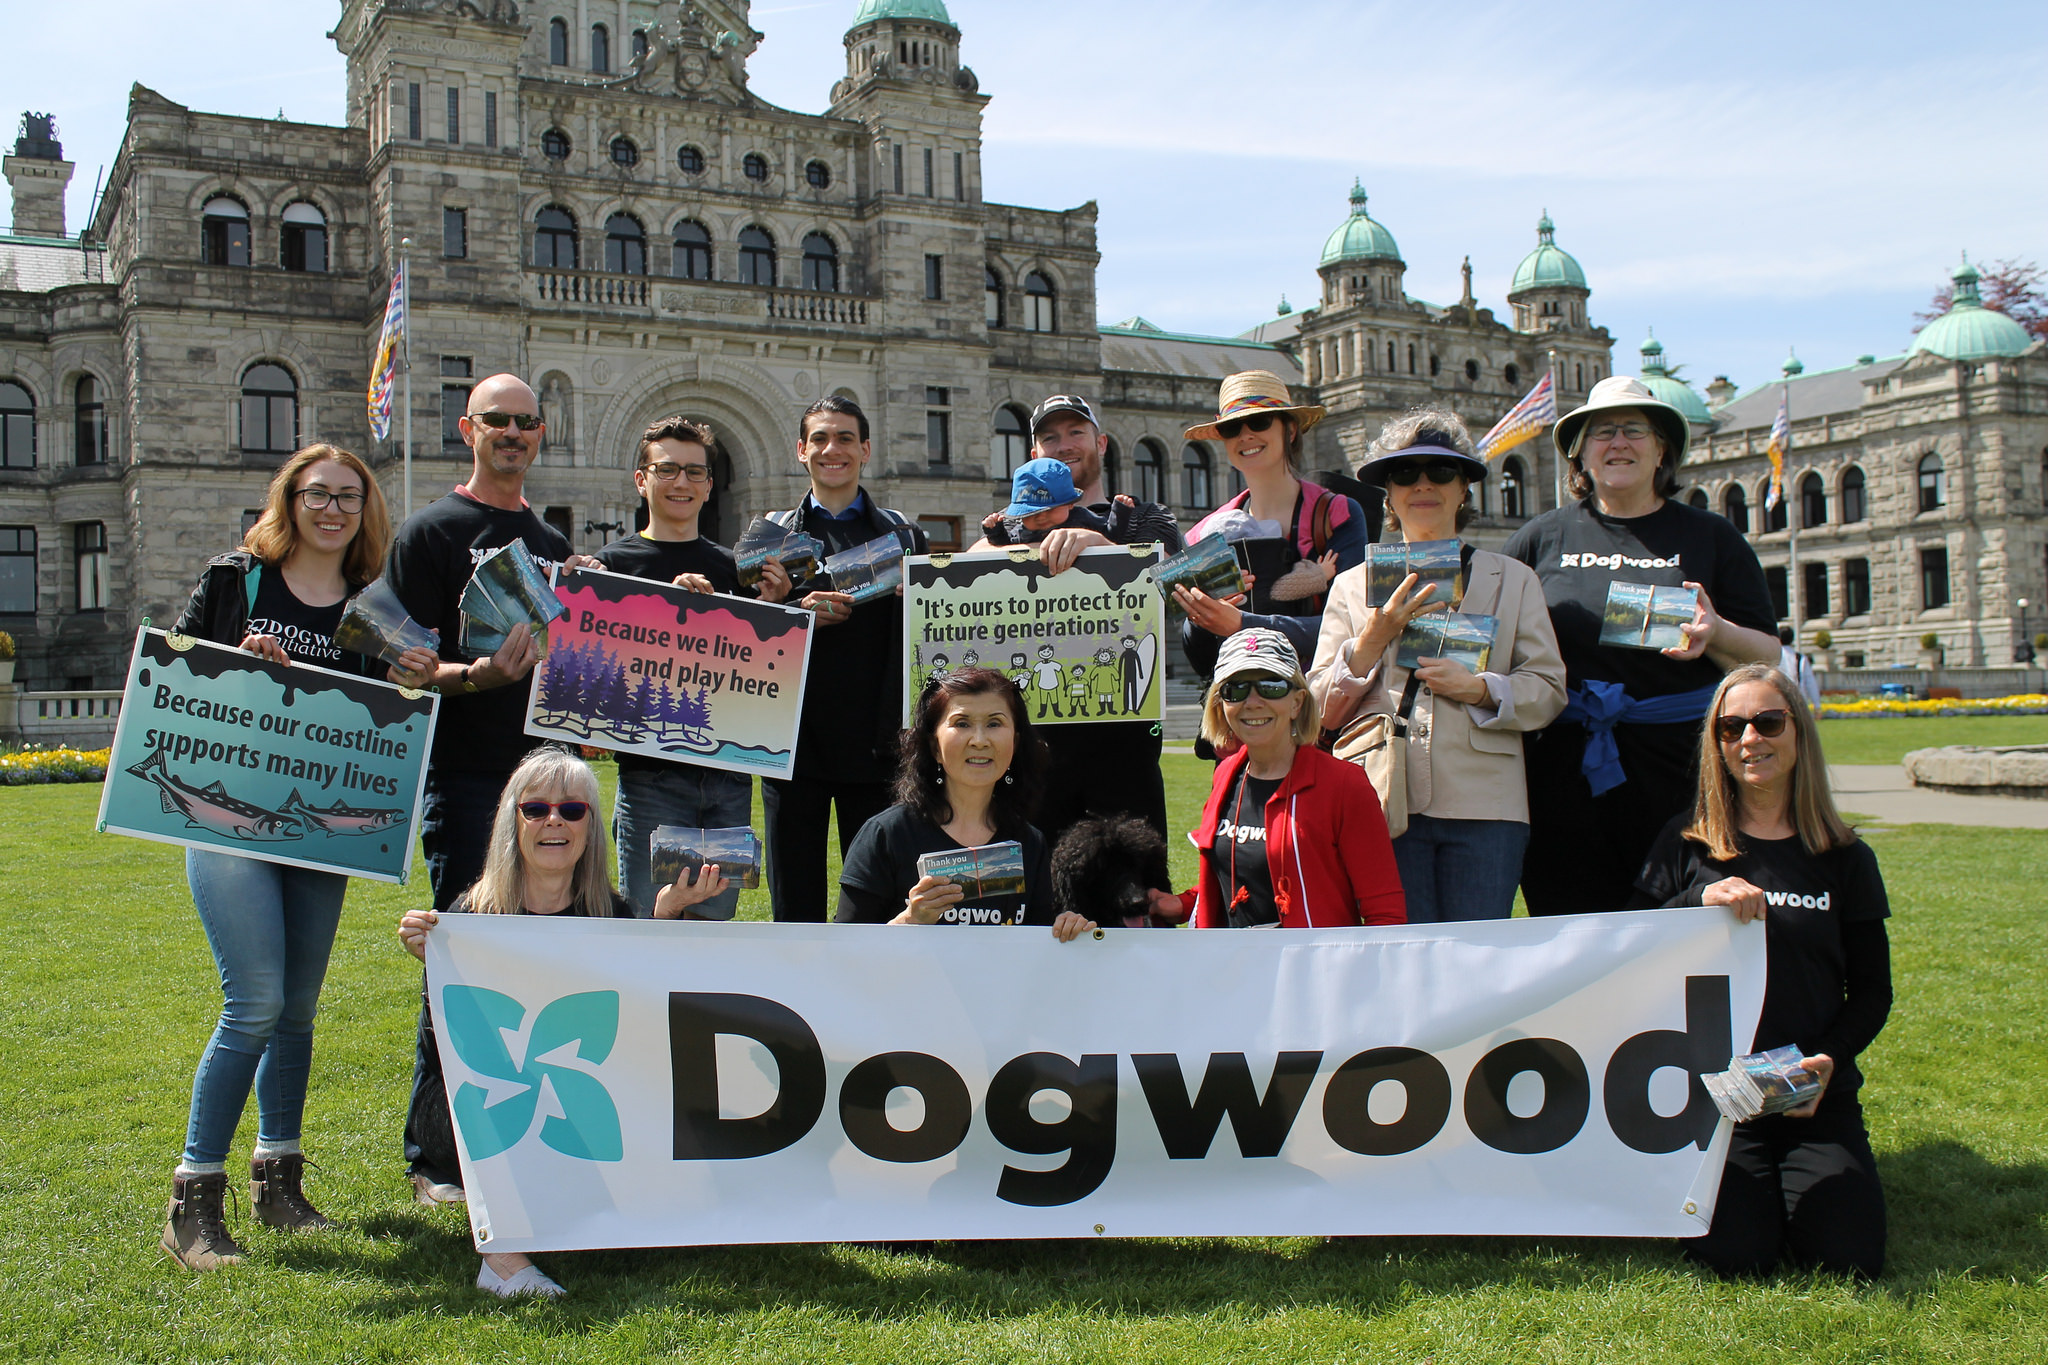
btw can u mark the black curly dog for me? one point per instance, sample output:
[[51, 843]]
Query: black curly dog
[[1103, 866]]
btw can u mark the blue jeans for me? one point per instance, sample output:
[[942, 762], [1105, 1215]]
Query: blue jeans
[[271, 928], [675, 794], [1460, 869]]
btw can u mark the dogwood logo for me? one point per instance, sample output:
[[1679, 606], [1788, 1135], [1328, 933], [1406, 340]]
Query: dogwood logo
[[484, 1026]]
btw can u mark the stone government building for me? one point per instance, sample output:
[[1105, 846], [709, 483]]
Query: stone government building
[[597, 202]]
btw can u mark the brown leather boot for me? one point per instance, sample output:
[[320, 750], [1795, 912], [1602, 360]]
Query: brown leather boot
[[195, 1228], [275, 1192]]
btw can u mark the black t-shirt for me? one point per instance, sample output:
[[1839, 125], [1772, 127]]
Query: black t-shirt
[[621, 909], [662, 560], [881, 867], [432, 558], [1238, 854], [306, 633], [1828, 986]]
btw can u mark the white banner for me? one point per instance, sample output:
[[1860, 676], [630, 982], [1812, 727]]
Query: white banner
[[634, 1083]]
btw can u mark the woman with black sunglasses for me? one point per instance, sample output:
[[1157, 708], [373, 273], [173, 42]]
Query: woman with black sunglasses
[[1460, 850], [1290, 836], [1763, 838], [547, 857]]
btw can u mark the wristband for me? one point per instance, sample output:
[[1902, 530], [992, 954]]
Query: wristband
[[468, 685]]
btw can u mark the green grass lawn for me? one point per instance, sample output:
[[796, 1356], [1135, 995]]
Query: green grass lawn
[[1887, 739], [107, 994]]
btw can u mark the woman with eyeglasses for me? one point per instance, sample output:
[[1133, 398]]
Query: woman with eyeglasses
[[1290, 836], [1763, 838], [1319, 533], [1467, 809], [546, 857], [321, 537], [1618, 761]]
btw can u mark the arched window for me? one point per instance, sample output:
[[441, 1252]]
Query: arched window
[[554, 145], [1112, 468], [1513, 482], [757, 257], [1472, 371], [1513, 374], [1854, 507], [304, 238], [992, 296], [1194, 471], [819, 175], [690, 160], [1933, 483], [90, 446], [1697, 498], [821, 263], [624, 152], [1040, 307], [1735, 507], [600, 49], [1579, 371], [639, 46], [558, 42], [1149, 464], [224, 232], [270, 411], [17, 427], [1774, 518], [691, 258], [625, 245], [754, 166], [554, 239], [1813, 501], [1011, 444], [1390, 357], [1411, 357]]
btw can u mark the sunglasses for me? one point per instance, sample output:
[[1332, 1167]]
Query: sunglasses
[[572, 811], [1769, 724], [1272, 689], [1262, 422], [498, 421], [1436, 471]]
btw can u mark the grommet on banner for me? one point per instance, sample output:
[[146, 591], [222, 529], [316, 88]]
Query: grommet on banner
[[1691, 1207], [1098, 934], [1098, 1228]]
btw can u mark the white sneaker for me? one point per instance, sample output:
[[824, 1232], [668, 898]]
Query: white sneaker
[[529, 1280]]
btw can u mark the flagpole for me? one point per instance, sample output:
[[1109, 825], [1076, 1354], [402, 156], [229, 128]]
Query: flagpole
[[1792, 584], [405, 359], [1556, 454]]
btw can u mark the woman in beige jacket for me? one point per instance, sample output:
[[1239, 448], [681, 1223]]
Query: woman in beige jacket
[[1468, 809]]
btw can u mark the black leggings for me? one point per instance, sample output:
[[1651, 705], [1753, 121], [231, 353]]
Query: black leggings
[[1799, 1190]]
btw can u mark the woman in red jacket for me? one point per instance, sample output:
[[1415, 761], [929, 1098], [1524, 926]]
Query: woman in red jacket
[[1290, 836]]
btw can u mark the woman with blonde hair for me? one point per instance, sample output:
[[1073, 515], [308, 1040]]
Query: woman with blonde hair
[[1460, 853], [1764, 839], [271, 927], [547, 857]]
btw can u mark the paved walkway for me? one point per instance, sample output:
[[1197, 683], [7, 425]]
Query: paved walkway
[[1881, 790]]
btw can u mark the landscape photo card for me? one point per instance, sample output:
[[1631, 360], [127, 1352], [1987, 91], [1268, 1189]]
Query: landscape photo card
[[1209, 564], [1640, 616], [375, 624], [1457, 636], [984, 870], [1437, 564], [871, 569], [676, 850]]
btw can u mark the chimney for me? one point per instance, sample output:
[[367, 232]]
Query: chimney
[[38, 173], [1720, 391]]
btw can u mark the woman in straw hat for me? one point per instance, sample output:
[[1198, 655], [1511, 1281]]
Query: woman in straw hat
[[1617, 764], [1468, 812], [1321, 533]]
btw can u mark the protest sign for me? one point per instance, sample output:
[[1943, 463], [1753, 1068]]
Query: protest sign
[[624, 1083], [1083, 646], [649, 668], [220, 749]]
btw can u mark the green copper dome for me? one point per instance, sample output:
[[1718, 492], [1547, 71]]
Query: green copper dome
[[932, 10], [1359, 238], [1667, 387], [1969, 330], [1547, 267]]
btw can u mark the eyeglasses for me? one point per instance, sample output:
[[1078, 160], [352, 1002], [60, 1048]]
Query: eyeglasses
[[1272, 689], [572, 811], [1236, 424], [665, 471], [1769, 724], [498, 421], [317, 498], [1634, 431], [1406, 473]]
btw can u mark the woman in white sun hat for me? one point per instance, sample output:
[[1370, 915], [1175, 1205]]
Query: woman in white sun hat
[[1617, 763]]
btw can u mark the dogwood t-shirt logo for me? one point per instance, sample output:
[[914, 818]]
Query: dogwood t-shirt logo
[[484, 1027]]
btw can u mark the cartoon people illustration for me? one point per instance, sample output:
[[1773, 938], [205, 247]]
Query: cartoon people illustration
[[1019, 672], [939, 669], [1045, 680], [971, 659], [1133, 669], [1104, 680], [1077, 690]]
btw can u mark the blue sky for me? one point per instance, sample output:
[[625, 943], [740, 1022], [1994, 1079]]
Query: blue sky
[[1744, 177]]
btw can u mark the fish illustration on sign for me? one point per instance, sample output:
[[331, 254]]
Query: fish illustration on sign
[[339, 818], [210, 807]]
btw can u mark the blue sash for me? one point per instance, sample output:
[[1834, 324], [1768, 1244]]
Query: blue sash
[[1600, 706]]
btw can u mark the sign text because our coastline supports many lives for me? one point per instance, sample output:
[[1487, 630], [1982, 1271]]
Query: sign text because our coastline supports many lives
[[628, 1083], [219, 749]]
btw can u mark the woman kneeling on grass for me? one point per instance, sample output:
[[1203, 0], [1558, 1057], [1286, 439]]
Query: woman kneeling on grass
[[547, 857], [1763, 839]]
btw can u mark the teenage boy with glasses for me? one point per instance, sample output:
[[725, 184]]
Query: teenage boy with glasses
[[673, 475]]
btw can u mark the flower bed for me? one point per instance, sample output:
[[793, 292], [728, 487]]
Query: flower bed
[[2026, 704], [52, 765]]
